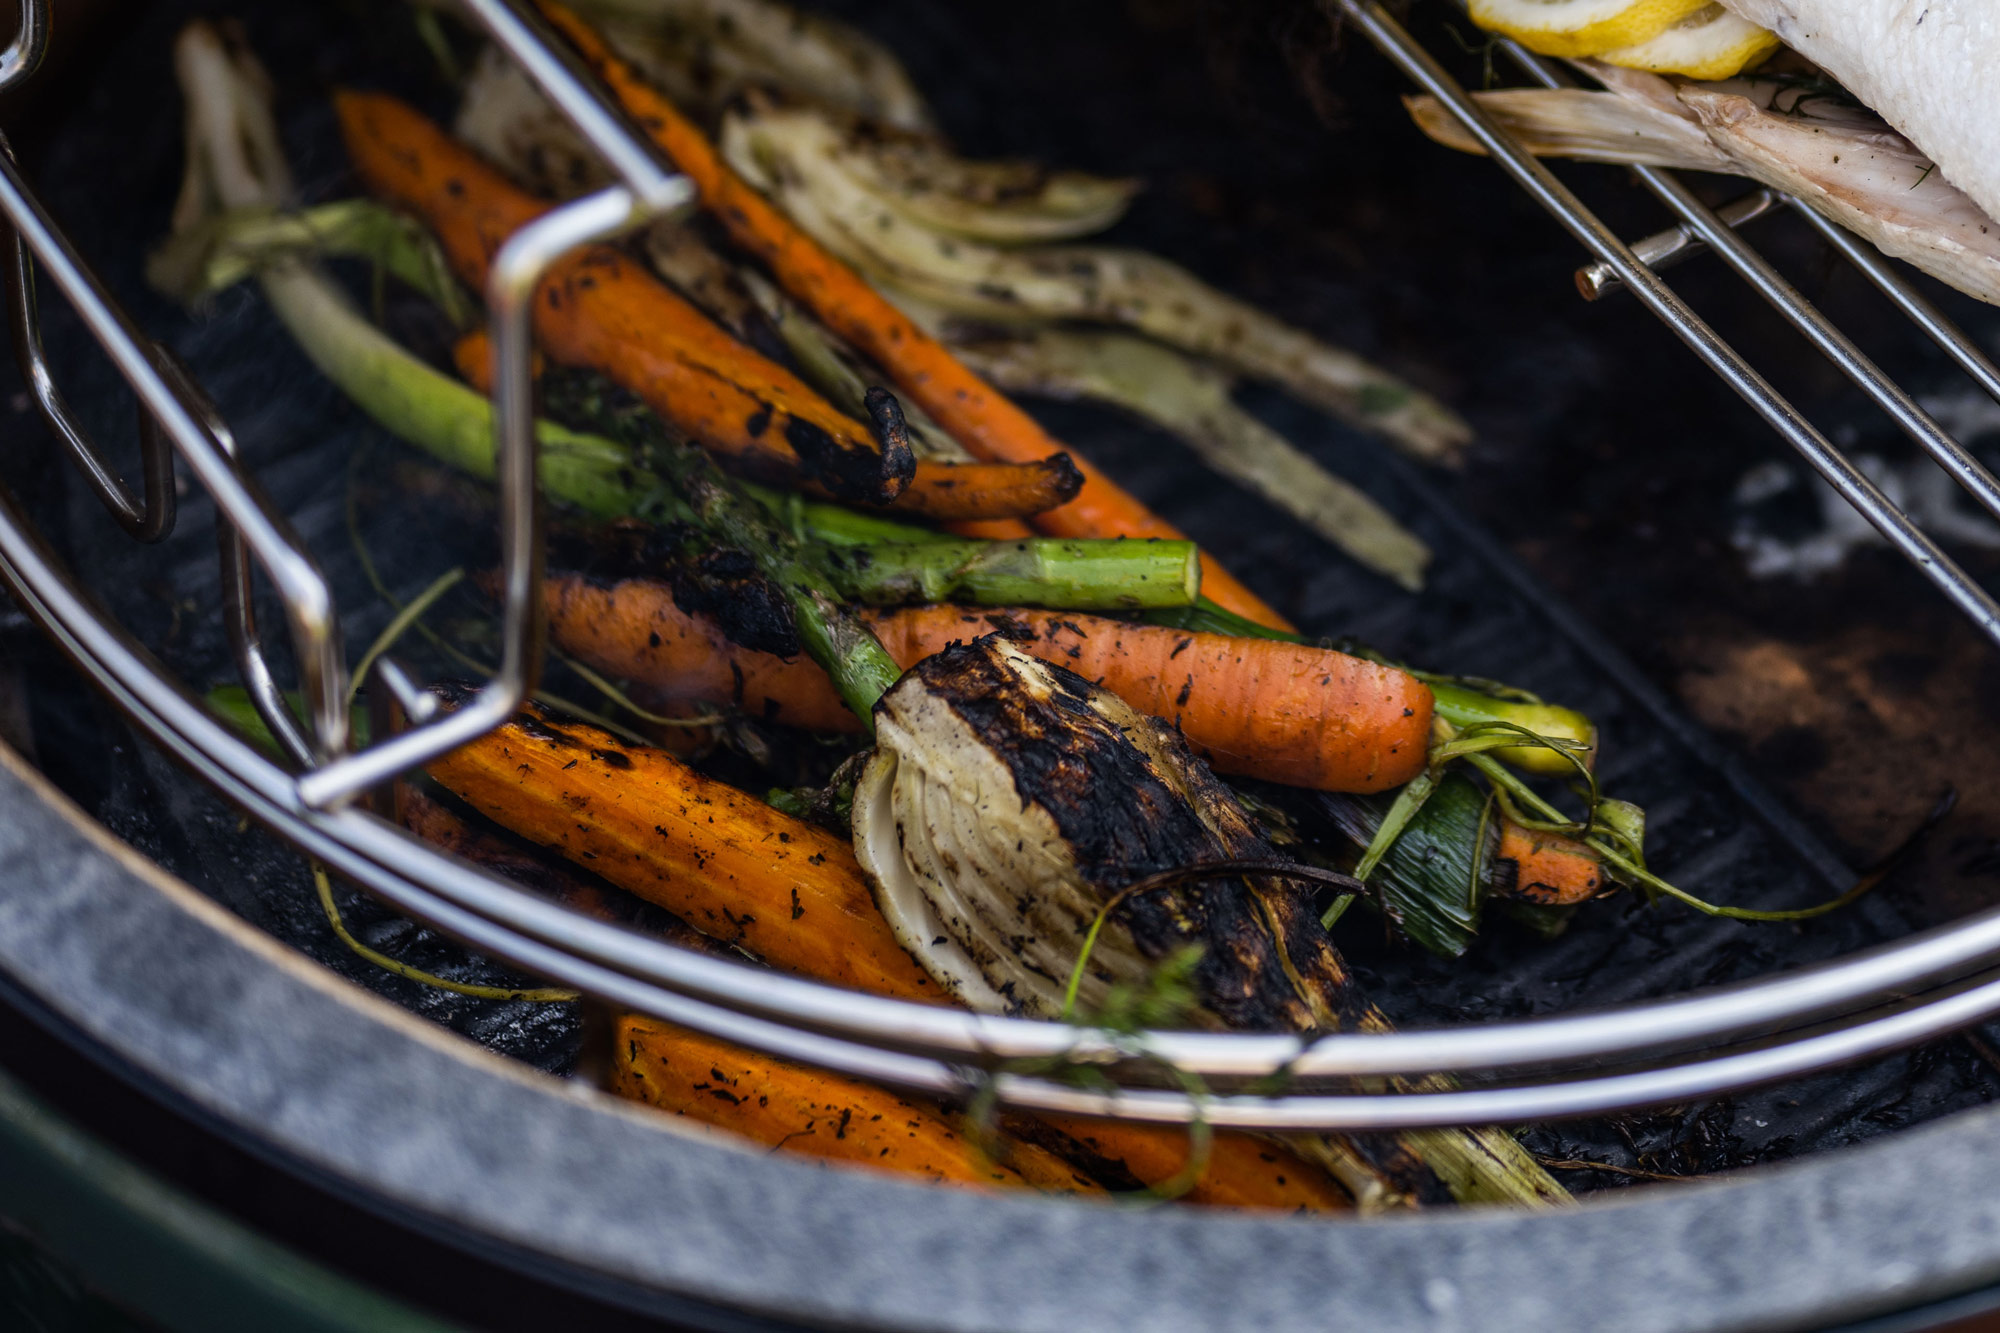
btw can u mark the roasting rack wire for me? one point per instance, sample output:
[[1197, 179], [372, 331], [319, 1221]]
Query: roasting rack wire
[[1783, 1026]]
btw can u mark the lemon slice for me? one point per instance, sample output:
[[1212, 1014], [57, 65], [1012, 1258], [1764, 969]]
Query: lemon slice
[[1581, 27], [1710, 44]]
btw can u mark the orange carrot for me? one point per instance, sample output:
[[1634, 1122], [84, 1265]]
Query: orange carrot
[[936, 490], [977, 415], [472, 356], [821, 1115], [1291, 713], [766, 1100], [1547, 868], [600, 309], [993, 529], [786, 890], [721, 860], [1242, 1171]]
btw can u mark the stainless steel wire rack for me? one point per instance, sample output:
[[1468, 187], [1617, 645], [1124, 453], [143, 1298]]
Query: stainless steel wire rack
[[320, 799]]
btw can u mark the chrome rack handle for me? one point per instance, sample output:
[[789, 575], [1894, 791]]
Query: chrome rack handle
[[23, 55], [239, 619], [148, 518], [649, 190], [1853, 485], [1957, 461], [167, 400]]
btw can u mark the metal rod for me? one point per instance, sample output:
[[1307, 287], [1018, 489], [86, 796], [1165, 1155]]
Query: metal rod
[[1763, 277], [510, 291], [308, 600], [548, 60], [1840, 472], [1664, 249], [1878, 270], [23, 55]]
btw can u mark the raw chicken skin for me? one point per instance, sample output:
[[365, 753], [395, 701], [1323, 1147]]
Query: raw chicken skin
[[1931, 68]]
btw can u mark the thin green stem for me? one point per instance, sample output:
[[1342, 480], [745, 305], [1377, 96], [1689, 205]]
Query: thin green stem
[[619, 697], [400, 625], [1062, 575], [546, 994]]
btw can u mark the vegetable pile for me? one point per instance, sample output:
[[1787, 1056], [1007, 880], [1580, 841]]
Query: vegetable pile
[[804, 520]]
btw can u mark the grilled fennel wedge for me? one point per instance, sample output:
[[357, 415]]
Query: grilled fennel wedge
[[1009, 800]]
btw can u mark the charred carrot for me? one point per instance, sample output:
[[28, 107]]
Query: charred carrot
[[1545, 868], [1291, 713], [746, 1092], [1242, 1171], [786, 890], [985, 421], [936, 490], [775, 1103], [602, 310], [721, 860]]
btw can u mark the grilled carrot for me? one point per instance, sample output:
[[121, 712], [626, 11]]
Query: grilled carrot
[[601, 309], [721, 860], [729, 1087], [1548, 869], [936, 490], [777, 1103], [1291, 713], [472, 356], [788, 891], [1243, 1171], [981, 418]]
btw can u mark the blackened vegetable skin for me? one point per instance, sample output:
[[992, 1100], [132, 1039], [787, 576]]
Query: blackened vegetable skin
[[1008, 804], [1164, 810]]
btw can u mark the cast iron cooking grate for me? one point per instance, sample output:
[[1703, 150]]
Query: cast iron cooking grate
[[1745, 1024]]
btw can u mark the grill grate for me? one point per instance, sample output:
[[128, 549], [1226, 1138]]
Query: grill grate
[[1734, 840]]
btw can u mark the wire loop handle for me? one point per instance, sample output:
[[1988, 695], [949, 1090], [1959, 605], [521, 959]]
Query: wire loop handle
[[649, 191], [148, 517], [23, 55]]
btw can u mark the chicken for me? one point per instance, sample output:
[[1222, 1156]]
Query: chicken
[[1927, 66]]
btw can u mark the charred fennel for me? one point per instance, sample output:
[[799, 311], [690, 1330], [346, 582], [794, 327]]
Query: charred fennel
[[1009, 802], [1004, 203], [1191, 399], [736, 44], [794, 154]]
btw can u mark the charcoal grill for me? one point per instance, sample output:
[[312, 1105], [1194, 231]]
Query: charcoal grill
[[1863, 1003]]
